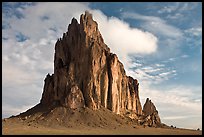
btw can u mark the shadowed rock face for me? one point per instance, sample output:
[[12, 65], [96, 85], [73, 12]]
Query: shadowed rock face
[[149, 107], [48, 91], [151, 114], [87, 74]]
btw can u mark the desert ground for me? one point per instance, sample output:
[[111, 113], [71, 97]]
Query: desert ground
[[12, 127], [60, 121]]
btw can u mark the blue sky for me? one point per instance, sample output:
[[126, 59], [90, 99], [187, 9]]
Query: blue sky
[[160, 44]]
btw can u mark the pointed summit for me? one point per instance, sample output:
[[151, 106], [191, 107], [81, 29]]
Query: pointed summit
[[74, 21], [85, 68], [89, 26], [149, 107], [150, 111], [87, 16]]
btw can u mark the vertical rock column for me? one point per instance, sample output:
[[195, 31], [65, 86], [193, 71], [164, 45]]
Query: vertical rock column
[[87, 74]]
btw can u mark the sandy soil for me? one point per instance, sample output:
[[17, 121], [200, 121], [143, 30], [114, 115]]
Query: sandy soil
[[60, 120], [16, 128]]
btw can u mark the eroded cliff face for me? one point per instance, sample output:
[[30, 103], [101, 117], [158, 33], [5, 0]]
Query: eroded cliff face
[[150, 115], [87, 74]]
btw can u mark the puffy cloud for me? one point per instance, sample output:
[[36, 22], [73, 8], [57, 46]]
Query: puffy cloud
[[124, 40], [26, 62], [55, 18], [170, 37], [119, 34]]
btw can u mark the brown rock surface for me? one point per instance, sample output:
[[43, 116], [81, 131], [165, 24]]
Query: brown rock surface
[[151, 116], [48, 91], [83, 59]]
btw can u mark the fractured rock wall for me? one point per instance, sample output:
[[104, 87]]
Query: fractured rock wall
[[151, 114], [87, 74]]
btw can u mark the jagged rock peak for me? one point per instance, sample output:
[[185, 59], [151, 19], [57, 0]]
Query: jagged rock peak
[[149, 107], [87, 74], [74, 21], [89, 26], [86, 17], [151, 113]]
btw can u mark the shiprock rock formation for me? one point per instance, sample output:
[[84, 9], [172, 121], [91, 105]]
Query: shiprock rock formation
[[89, 78], [87, 74]]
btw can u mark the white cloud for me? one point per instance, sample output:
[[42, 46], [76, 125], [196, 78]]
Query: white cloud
[[172, 59], [178, 8], [160, 65], [25, 64], [175, 17], [170, 37], [176, 104], [151, 73], [188, 6], [164, 74], [16, 76], [169, 9], [8, 110], [175, 117], [135, 64], [124, 40], [32, 14], [195, 31], [156, 25], [193, 37], [184, 56]]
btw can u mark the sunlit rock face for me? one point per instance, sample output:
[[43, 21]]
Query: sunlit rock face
[[87, 74]]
